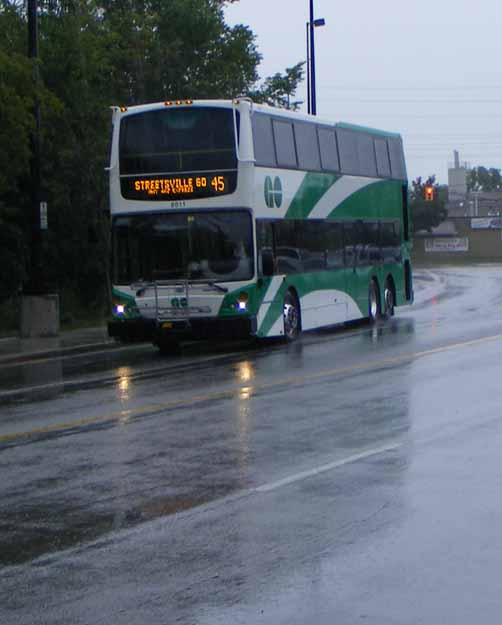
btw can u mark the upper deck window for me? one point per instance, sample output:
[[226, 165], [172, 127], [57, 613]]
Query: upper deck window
[[187, 139], [264, 149], [307, 147], [382, 157], [284, 143], [329, 152]]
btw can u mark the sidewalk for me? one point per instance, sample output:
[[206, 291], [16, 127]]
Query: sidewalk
[[15, 349]]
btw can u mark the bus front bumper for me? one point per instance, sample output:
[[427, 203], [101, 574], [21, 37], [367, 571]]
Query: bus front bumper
[[130, 330]]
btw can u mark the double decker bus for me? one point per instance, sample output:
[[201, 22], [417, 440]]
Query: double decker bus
[[233, 219]]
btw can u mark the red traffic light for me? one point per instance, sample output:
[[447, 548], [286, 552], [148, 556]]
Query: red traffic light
[[429, 193]]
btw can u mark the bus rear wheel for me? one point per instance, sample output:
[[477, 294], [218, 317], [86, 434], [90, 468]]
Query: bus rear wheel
[[373, 302], [291, 317], [389, 300]]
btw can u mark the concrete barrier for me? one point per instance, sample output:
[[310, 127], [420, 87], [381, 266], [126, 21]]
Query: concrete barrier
[[39, 315]]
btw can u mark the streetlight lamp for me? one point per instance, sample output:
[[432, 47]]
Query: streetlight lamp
[[311, 89]]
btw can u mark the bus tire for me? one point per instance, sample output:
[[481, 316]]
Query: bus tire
[[291, 317], [374, 310], [389, 298]]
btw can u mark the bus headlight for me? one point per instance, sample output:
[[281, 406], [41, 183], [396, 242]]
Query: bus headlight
[[120, 309], [242, 301]]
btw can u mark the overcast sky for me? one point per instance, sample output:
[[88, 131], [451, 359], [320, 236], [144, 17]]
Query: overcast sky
[[430, 70]]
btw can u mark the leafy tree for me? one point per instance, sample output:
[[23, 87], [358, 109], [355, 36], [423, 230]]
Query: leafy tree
[[426, 214], [279, 89], [483, 179], [18, 94], [94, 54], [176, 49]]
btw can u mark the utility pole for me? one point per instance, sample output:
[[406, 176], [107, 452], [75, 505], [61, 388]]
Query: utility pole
[[39, 309], [34, 285]]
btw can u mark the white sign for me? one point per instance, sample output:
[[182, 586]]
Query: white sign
[[447, 244], [485, 223], [43, 216]]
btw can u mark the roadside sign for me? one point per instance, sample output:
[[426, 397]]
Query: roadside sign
[[43, 216]]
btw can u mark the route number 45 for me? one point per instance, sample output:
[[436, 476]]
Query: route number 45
[[218, 184]]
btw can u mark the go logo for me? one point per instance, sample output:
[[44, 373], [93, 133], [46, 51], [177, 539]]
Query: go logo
[[273, 192]]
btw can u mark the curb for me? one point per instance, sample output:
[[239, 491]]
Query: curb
[[20, 357]]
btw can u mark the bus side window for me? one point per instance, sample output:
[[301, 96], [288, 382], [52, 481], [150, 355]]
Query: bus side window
[[391, 249], [349, 243], [289, 247], [373, 238], [334, 245]]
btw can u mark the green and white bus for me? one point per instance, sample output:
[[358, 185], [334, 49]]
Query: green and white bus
[[232, 219]]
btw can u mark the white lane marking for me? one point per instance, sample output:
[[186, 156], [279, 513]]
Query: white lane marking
[[298, 477], [340, 191]]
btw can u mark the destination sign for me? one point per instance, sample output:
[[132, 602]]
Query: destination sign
[[175, 187]]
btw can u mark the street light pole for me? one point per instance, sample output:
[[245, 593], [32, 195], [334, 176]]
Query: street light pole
[[309, 99], [311, 88], [313, 108]]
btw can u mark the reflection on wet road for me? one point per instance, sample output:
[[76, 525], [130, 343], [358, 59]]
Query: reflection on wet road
[[280, 483]]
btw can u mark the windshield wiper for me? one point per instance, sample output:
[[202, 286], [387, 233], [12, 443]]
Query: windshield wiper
[[218, 287]]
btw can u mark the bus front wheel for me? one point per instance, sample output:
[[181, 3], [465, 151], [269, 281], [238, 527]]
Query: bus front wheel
[[291, 317]]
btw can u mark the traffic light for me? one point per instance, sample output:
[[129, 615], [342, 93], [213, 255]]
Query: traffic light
[[429, 193]]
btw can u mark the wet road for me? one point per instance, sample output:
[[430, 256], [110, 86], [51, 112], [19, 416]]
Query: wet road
[[353, 477]]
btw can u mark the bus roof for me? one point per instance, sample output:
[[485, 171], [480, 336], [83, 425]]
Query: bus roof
[[263, 108], [373, 131]]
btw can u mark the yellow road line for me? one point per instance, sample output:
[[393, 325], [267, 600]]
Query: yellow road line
[[249, 388]]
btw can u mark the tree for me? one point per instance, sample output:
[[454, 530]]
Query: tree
[[177, 49], [483, 179], [279, 89], [425, 214], [94, 54]]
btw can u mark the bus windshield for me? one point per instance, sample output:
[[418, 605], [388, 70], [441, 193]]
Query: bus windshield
[[200, 246], [175, 140]]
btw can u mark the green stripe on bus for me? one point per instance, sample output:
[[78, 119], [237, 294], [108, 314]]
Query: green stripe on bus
[[311, 190], [367, 203]]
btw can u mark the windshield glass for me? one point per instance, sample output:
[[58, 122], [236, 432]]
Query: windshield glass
[[175, 140], [211, 246]]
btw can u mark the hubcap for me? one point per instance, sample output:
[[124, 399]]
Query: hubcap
[[389, 300], [373, 304], [290, 320]]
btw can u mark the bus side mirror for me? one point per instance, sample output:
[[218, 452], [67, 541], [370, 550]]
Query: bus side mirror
[[267, 262]]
